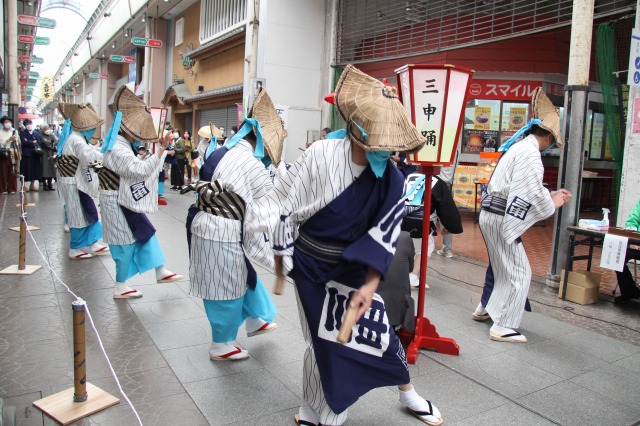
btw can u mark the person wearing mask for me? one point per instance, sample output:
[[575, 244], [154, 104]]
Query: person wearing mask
[[31, 160], [446, 175], [49, 142], [129, 191], [188, 149], [177, 166], [514, 201], [9, 156], [338, 223], [77, 183], [227, 225]]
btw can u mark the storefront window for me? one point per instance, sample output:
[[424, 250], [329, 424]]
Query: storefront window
[[481, 125]]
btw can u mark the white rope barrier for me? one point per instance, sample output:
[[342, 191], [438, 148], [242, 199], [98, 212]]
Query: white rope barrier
[[88, 312]]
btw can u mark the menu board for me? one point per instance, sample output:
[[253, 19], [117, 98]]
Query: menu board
[[464, 186], [481, 140], [490, 141], [517, 117], [482, 118]]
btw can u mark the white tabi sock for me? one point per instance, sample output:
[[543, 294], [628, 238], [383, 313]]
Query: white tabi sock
[[480, 310], [161, 272], [308, 414], [418, 404]]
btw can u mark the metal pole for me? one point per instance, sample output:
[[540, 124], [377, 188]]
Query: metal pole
[[12, 60], [22, 247], [79, 354], [572, 158], [629, 185], [147, 61], [251, 59]]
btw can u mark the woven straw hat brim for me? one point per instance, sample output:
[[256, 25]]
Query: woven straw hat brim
[[83, 116], [136, 116], [376, 108], [209, 130], [544, 109], [273, 131]]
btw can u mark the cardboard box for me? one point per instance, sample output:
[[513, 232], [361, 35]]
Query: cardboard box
[[583, 288]]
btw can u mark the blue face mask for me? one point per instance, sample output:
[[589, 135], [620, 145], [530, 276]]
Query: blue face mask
[[136, 145], [87, 134], [378, 161], [547, 149]]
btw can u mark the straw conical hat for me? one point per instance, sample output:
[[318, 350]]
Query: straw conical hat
[[136, 116], [83, 116], [209, 130], [548, 113], [374, 106], [273, 131]]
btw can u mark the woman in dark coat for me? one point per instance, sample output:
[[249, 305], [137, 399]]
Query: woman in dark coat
[[31, 162], [49, 141]]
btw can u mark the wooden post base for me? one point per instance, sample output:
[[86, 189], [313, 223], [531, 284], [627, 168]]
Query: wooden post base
[[64, 410], [426, 337], [29, 228], [27, 205], [13, 270]]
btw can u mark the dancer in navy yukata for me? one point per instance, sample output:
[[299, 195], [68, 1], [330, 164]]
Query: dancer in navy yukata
[[341, 205]]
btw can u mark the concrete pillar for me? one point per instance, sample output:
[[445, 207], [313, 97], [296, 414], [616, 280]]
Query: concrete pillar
[[630, 185], [12, 60], [572, 157], [251, 52], [147, 61]]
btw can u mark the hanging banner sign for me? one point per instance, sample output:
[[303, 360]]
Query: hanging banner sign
[[146, 42], [36, 60], [506, 90], [23, 82], [32, 81], [26, 39], [43, 41], [120, 58], [633, 78], [29, 39], [35, 74], [24, 73], [98, 75], [36, 21], [24, 58]]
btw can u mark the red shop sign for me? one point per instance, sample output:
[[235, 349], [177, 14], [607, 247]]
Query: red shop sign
[[505, 90]]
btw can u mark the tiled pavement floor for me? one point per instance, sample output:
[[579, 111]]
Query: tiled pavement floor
[[573, 371]]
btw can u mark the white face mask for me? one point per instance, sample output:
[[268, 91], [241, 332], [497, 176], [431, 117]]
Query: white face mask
[[7, 125], [29, 127], [48, 132], [176, 135]]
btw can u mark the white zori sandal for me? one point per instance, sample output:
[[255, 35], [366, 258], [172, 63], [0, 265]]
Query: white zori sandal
[[503, 334], [420, 407], [258, 326], [226, 352], [127, 293]]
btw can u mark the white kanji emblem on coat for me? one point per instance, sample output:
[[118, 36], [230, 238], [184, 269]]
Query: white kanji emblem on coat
[[518, 208], [139, 191], [369, 335]]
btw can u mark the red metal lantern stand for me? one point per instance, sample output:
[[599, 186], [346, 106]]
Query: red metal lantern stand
[[425, 335]]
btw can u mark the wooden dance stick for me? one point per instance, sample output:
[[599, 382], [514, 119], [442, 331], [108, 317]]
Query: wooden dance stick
[[22, 247], [347, 324], [279, 287], [79, 360]]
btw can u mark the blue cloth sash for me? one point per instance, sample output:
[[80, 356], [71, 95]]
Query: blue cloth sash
[[136, 258], [84, 237], [112, 133], [226, 316], [64, 135]]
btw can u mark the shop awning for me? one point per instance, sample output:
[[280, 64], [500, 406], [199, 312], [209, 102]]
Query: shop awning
[[223, 93], [178, 91]]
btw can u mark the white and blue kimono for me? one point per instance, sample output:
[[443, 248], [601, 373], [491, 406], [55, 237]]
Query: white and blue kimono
[[225, 230], [337, 219], [128, 190], [77, 184]]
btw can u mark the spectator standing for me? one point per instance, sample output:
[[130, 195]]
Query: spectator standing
[[49, 142], [446, 175], [31, 162], [9, 156], [188, 149], [177, 166]]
